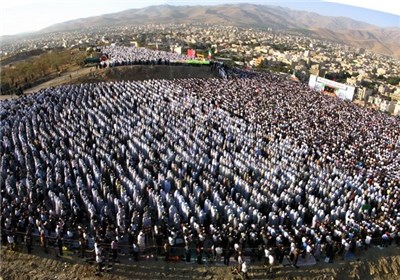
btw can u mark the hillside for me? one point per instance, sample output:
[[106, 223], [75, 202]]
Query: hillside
[[379, 40], [340, 29], [248, 15]]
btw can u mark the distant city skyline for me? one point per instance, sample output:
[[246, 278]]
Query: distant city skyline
[[20, 16]]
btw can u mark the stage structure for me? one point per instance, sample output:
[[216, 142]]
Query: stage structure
[[327, 86]]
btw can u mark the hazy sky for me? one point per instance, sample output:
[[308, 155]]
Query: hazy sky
[[18, 16]]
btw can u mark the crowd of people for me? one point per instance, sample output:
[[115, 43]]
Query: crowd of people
[[119, 55], [255, 164]]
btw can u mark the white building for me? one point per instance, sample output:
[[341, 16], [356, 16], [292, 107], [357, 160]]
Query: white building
[[396, 110], [363, 93], [387, 106]]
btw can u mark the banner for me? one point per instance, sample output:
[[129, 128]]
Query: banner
[[191, 53]]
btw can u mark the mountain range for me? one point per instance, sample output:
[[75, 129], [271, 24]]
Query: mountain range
[[340, 29]]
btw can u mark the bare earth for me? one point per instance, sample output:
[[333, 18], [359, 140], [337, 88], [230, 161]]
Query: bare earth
[[375, 263], [65, 78]]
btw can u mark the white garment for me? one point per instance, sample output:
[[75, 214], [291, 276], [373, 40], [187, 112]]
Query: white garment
[[244, 267]]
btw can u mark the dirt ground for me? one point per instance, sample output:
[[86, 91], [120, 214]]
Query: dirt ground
[[65, 78], [380, 264], [136, 72]]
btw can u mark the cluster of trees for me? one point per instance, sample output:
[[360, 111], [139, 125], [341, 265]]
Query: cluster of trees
[[282, 47], [340, 77], [38, 68], [279, 67], [368, 84], [393, 80]]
